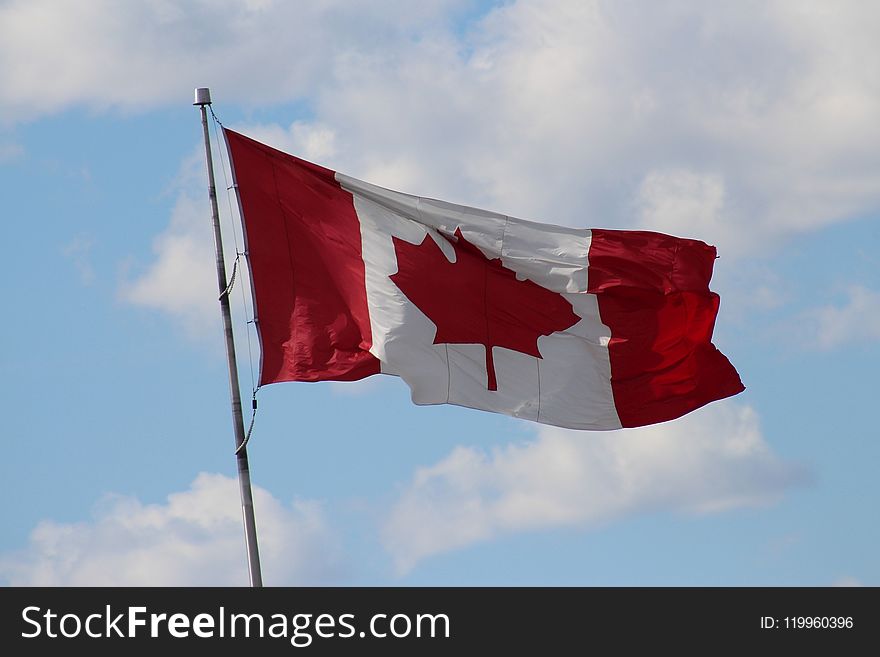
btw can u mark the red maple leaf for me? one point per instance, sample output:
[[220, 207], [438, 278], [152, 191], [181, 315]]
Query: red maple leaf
[[475, 300]]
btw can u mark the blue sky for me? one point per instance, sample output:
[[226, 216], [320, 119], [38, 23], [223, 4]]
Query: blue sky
[[752, 127]]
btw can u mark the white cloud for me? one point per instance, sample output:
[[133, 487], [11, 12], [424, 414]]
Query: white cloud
[[181, 280], [857, 320], [682, 202], [740, 124], [194, 539], [567, 111], [709, 461], [143, 53], [311, 141]]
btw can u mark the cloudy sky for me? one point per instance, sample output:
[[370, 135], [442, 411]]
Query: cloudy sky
[[750, 125]]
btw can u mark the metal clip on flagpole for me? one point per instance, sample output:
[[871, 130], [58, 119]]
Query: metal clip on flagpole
[[202, 99]]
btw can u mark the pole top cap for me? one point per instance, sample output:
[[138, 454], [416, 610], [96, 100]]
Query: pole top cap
[[203, 96]]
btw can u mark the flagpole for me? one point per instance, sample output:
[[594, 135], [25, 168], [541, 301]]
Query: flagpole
[[202, 100]]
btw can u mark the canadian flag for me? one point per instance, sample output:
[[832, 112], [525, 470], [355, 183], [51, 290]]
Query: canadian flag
[[586, 329]]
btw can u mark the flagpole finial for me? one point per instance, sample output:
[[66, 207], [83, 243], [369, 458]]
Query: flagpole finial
[[203, 96]]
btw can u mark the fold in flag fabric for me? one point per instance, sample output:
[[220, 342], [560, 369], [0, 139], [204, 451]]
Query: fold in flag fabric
[[586, 329]]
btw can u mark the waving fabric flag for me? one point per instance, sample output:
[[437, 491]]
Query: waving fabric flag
[[586, 329]]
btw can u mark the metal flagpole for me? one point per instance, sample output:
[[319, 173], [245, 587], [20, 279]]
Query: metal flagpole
[[202, 99]]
